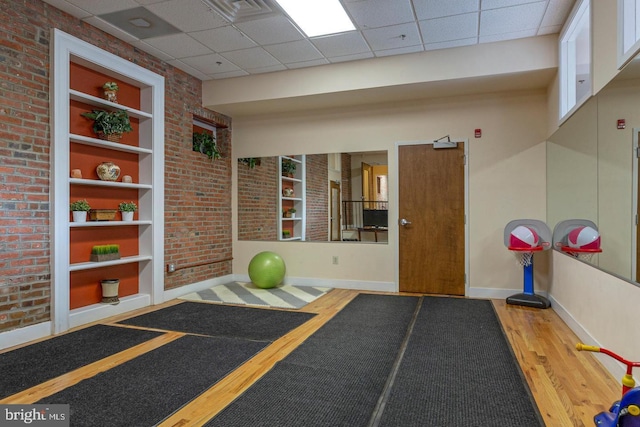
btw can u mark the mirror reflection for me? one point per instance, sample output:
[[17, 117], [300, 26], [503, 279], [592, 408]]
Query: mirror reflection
[[592, 171], [334, 197]]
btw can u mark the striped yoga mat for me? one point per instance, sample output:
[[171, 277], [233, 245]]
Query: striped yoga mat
[[286, 296]]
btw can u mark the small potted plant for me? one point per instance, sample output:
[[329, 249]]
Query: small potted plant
[[109, 125], [286, 234], [101, 253], [110, 91], [292, 212], [288, 168], [205, 143], [127, 209], [79, 209]]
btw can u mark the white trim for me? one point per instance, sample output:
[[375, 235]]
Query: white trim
[[467, 221], [496, 293], [625, 55], [634, 202], [615, 368], [567, 69], [331, 283], [66, 49], [24, 335]]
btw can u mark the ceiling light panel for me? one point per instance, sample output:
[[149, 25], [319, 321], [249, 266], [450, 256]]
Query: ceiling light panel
[[318, 17]]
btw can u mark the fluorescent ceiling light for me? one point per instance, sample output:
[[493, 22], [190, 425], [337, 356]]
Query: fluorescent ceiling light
[[318, 17]]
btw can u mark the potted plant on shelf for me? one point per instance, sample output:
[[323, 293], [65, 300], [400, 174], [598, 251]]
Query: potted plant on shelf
[[101, 253], [205, 143], [79, 209], [127, 209], [286, 234], [288, 168], [109, 125], [110, 91], [292, 212]]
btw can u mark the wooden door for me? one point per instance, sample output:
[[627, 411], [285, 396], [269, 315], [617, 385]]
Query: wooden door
[[431, 198], [334, 203], [367, 186]]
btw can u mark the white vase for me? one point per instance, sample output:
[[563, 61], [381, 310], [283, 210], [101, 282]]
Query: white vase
[[79, 216], [127, 216], [110, 291]]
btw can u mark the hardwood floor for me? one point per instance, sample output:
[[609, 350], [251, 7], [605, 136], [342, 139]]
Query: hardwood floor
[[570, 387]]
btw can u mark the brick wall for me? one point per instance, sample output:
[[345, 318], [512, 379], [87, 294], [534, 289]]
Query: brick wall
[[317, 197], [197, 192], [258, 200]]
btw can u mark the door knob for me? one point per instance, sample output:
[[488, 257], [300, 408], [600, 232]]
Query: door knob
[[404, 222]]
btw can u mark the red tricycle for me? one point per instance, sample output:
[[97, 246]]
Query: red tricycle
[[626, 411]]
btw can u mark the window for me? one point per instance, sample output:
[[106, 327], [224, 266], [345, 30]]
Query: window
[[575, 59], [628, 30]]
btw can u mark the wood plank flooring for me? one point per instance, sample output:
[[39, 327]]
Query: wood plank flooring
[[570, 387]]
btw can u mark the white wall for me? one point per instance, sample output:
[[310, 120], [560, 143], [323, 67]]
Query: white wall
[[506, 168]]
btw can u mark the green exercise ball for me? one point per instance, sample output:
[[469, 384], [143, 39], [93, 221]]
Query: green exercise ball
[[267, 270]]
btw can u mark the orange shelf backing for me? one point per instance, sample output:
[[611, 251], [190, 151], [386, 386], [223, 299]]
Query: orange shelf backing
[[83, 239], [87, 158], [90, 82], [86, 289]]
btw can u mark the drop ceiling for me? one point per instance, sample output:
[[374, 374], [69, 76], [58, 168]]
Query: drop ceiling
[[217, 39]]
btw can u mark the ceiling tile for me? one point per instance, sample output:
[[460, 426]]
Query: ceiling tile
[[98, 7], [187, 69], [557, 13], [71, 9], [271, 30], [223, 39], [507, 36], [269, 69], [108, 28], [399, 51], [152, 50], [495, 4], [179, 45], [306, 64], [450, 44], [298, 51], [450, 28], [431, 9], [230, 74], [351, 43], [255, 57], [511, 19], [395, 36], [554, 29], [187, 15], [210, 64], [377, 13], [354, 57]]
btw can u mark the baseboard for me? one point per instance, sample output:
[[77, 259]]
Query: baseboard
[[332, 283], [614, 368], [198, 286], [24, 334], [493, 293]]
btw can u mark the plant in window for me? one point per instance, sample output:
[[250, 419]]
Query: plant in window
[[251, 162], [205, 143]]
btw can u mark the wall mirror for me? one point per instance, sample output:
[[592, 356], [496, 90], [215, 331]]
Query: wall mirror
[[592, 171], [337, 197]]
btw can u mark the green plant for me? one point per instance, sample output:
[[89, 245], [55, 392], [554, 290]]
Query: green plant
[[251, 162], [205, 143], [105, 249], [127, 207], [80, 205], [286, 234], [110, 86], [109, 122], [292, 210], [288, 167]]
